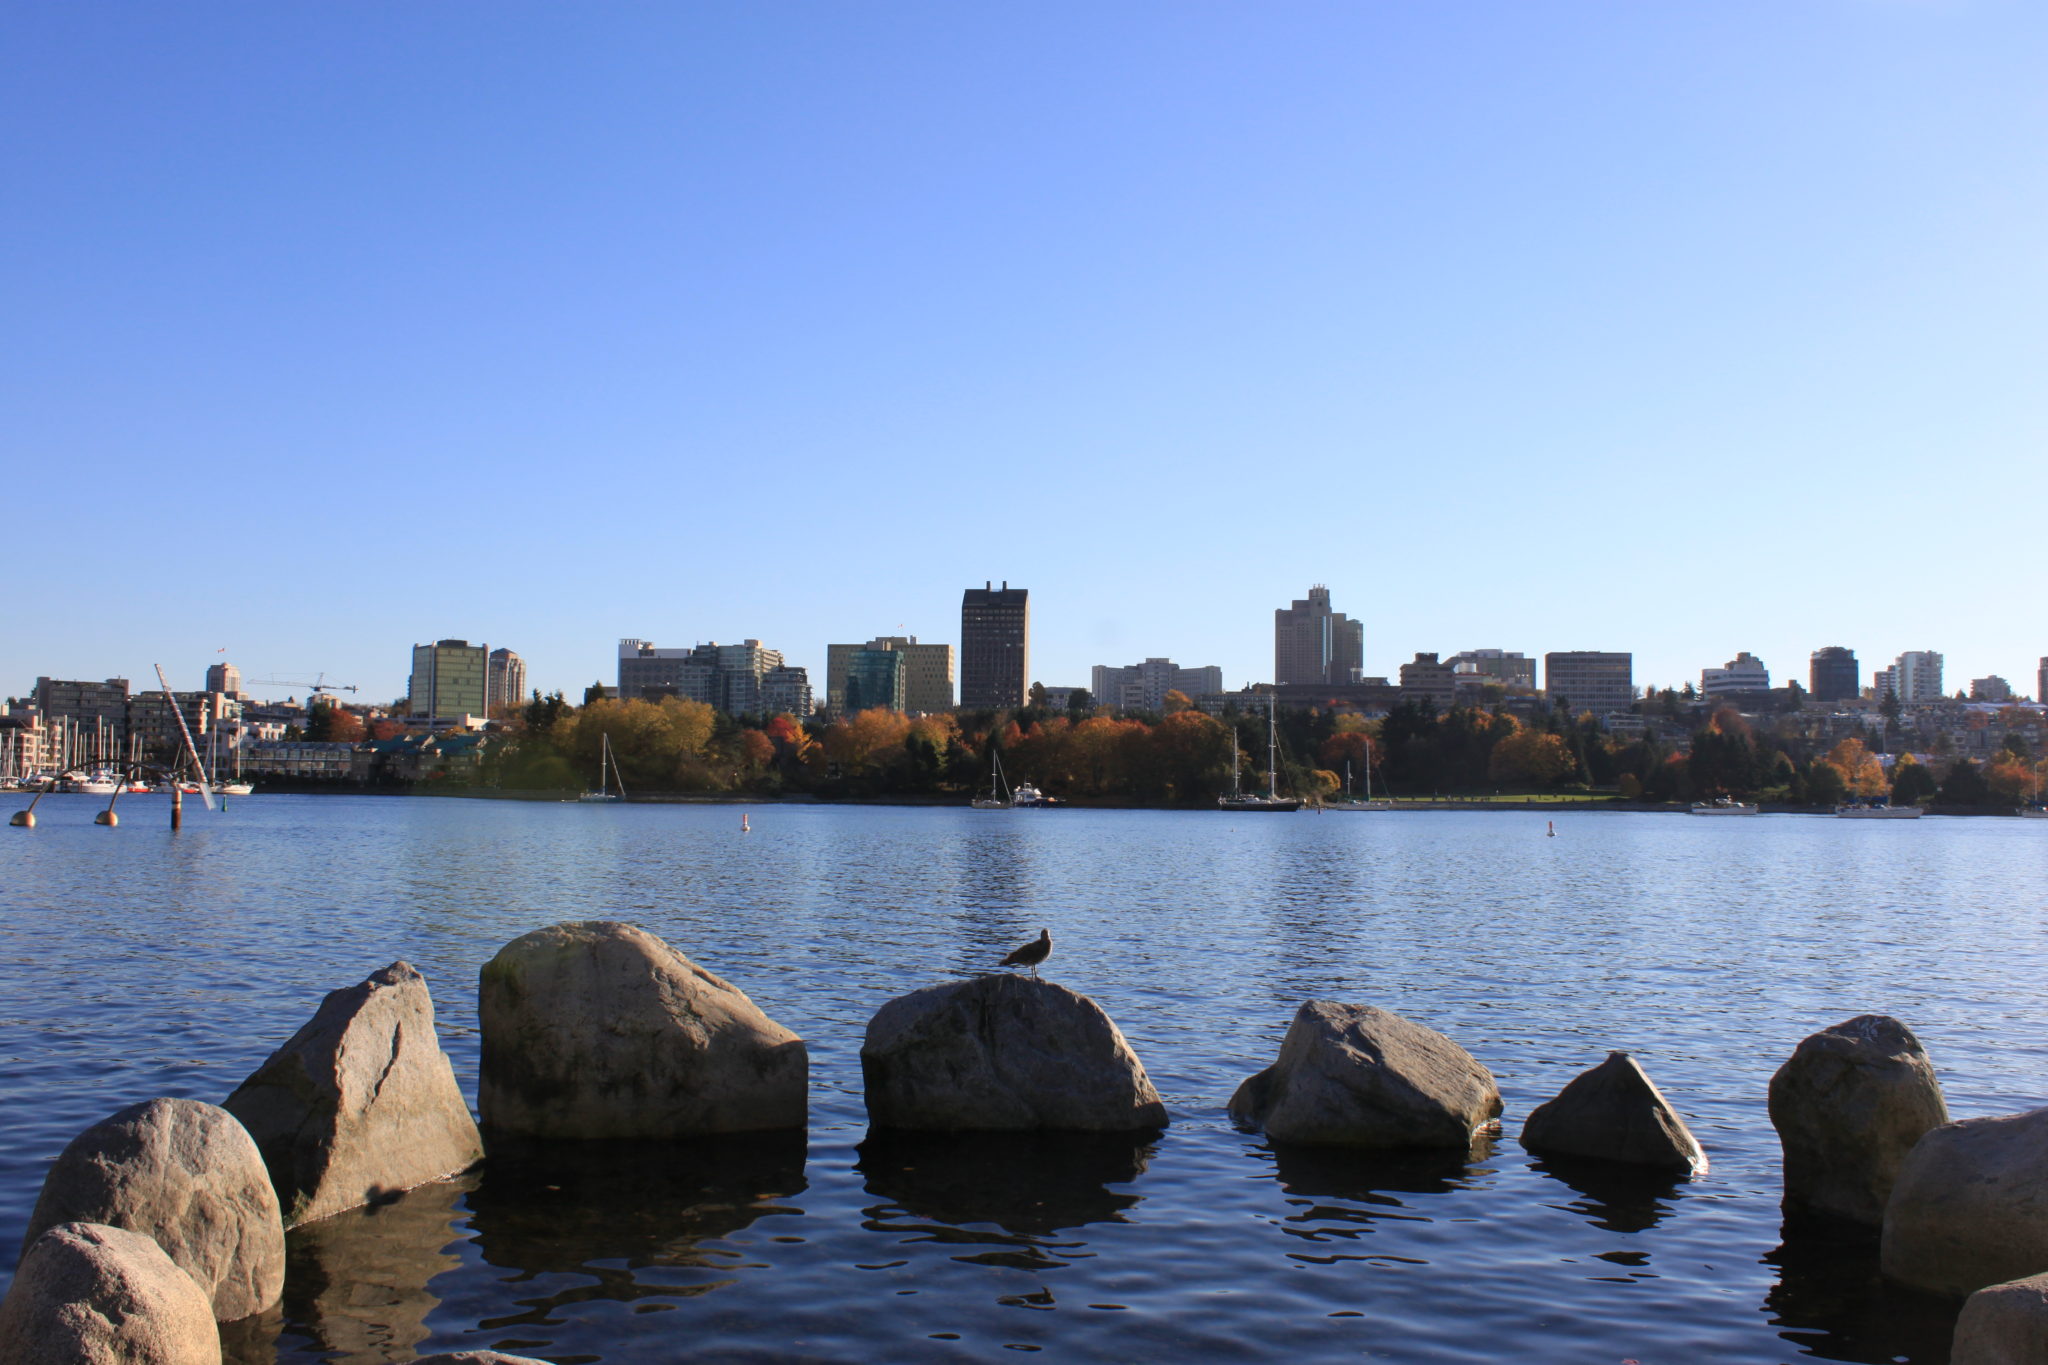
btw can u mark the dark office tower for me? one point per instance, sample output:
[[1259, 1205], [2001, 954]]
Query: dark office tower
[[1835, 675], [995, 646], [1312, 644]]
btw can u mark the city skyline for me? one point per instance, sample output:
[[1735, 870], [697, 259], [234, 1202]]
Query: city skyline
[[1526, 329]]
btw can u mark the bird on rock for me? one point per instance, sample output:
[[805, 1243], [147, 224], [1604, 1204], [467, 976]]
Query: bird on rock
[[1031, 954]]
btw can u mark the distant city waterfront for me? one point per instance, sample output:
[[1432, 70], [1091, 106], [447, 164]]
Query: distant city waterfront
[[137, 963]]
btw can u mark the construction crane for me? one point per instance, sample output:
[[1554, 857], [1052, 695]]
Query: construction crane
[[314, 685]]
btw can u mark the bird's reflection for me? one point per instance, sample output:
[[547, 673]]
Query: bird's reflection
[[1831, 1301], [1031, 1186], [1613, 1196], [356, 1284], [608, 1211]]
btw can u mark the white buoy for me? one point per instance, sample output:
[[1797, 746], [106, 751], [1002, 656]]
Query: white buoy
[[745, 828], [1550, 828]]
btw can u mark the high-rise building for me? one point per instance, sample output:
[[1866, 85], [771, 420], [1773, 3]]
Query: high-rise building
[[873, 678], [224, 678], [1429, 678], [449, 678], [1143, 686], [727, 677], [1481, 666], [1919, 676], [1884, 683], [1312, 644], [1833, 674], [2041, 681], [506, 684], [1743, 673], [927, 672], [1993, 688], [786, 691], [1590, 680], [995, 646]]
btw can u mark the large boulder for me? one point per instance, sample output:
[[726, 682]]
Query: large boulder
[[361, 1103], [2004, 1324], [601, 1030], [188, 1175], [1003, 1053], [1848, 1105], [1614, 1112], [1971, 1206], [89, 1294], [1356, 1076]]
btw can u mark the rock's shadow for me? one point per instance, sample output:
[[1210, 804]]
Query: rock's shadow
[[1031, 1184], [1831, 1301], [1613, 1195], [1367, 1184], [584, 1209]]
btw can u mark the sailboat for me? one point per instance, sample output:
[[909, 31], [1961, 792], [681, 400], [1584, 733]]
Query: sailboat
[[1272, 800], [607, 775], [997, 798], [1366, 802]]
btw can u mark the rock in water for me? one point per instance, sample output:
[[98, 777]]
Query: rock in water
[[1614, 1113], [1848, 1105], [601, 1030], [361, 1103], [188, 1175], [1356, 1076], [2004, 1324], [89, 1294], [1003, 1053], [1971, 1205]]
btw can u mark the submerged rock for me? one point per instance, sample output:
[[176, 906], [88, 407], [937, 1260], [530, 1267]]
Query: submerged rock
[[89, 1294], [601, 1030], [187, 1175], [1356, 1076], [1971, 1206], [361, 1103], [2004, 1324], [1614, 1112], [1848, 1106], [1003, 1053]]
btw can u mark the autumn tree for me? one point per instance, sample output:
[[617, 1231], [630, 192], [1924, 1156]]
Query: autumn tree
[[1532, 756], [1862, 774]]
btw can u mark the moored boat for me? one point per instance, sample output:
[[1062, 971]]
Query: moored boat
[[607, 775], [1241, 800], [1723, 805], [1877, 810]]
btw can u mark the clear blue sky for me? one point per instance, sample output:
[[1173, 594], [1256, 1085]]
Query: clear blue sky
[[1681, 329]]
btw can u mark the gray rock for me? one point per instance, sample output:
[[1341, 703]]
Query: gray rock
[[1971, 1206], [188, 1175], [361, 1103], [1003, 1053], [2004, 1324], [477, 1358], [1356, 1076], [1848, 1105], [1614, 1112], [88, 1294], [601, 1030]]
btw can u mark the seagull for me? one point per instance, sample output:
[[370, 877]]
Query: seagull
[[1031, 954]]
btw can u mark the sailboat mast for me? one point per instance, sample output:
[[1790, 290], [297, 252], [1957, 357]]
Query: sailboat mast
[[1272, 745]]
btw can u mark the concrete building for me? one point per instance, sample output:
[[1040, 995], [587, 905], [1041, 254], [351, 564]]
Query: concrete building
[[1884, 683], [1919, 676], [1313, 644], [927, 674], [1993, 688], [1512, 670], [1833, 674], [224, 678], [1062, 698], [727, 677], [2041, 681], [786, 691], [1429, 679], [1743, 673], [151, 718], [91, 716], [505, 682], [1143, 686], [995, 646], [449, 678], [27, 745], [1590, 680]]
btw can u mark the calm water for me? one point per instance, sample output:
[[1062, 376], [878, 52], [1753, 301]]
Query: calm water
[[134, 964]]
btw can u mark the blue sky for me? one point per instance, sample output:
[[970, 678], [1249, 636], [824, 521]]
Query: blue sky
[[1682, 329]]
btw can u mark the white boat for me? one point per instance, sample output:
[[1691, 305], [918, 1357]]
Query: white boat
[[1856, 810], [97, 783], [997, 798], [607, 775], [2033, 812], [1239, 800], [1367, 801], [1024, 794], [1722, 805], [235, 789]]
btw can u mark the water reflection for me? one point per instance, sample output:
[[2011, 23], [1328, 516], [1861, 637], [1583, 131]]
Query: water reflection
[[1613, 1196], [1831, 1302], [356, 1284], [587, 1220], [1029, 1185], [1371, 1184]]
